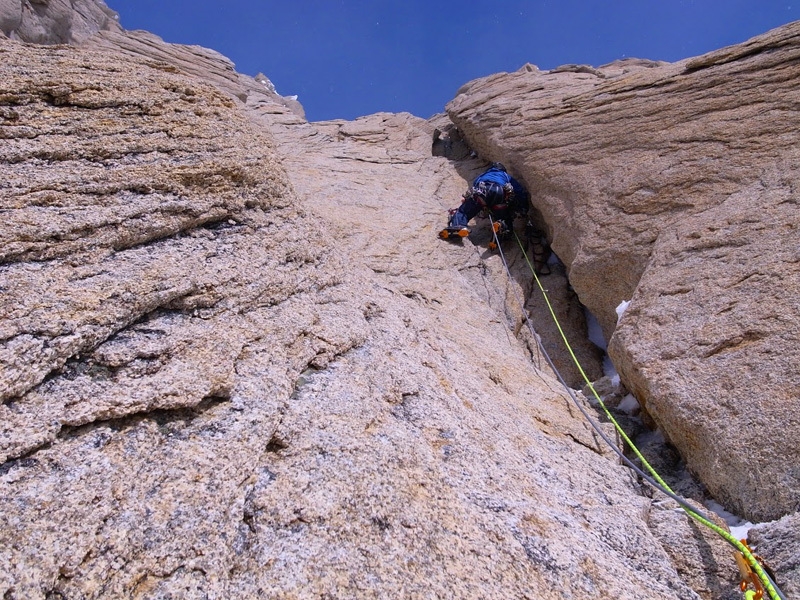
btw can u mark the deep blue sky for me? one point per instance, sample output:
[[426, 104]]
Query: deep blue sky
[[349, 58]]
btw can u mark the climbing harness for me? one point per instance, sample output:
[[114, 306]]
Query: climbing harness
[[753, 574]]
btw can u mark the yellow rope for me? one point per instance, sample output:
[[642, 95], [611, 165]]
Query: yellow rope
[[771, 589]]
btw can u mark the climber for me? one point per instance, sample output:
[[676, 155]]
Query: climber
[[494, 191]]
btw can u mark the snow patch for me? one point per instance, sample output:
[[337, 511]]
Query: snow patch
[[629, 405], [738, 526], [596, 336], [621, 308]]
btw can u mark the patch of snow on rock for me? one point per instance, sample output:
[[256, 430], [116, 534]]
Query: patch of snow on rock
[[629, 405], [621, 308], [738, 526]]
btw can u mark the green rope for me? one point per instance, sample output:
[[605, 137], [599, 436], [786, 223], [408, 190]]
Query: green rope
[[772, 590]]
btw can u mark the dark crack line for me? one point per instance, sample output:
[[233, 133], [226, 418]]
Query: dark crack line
[[584, 444], [162, 416]]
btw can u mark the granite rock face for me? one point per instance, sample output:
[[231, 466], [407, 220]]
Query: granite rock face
[[92, 24], [146, 258], [203, 63], [236, 362], [674, 186], [56, 21]]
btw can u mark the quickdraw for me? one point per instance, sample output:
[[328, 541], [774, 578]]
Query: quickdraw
[[750, 583]]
